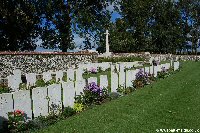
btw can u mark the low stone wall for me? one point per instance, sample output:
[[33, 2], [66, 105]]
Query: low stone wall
[[160, 56], [37, 62]]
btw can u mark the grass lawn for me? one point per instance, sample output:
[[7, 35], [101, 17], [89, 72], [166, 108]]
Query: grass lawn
[[170, 103]]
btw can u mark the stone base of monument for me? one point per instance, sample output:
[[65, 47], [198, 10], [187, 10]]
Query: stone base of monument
[[108, 54]]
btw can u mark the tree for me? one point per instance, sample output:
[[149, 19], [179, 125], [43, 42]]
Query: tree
[[63, 18], [18, 27], [53, 21]]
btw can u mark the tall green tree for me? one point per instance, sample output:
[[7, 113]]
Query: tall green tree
[[53, 21], [18, 25]]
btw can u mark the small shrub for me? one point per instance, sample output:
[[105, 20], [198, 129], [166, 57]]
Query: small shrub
[[4, 89], [99, 69], [141, 79], [16, 121], [124, 91], [64, 78], [52, 81], [68, 111], [92, 94], [78, 107], [163, 73], [40, 83], [22, 86]]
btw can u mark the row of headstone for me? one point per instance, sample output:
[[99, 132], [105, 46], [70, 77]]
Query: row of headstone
[[41, 102], [176, 65], [46, 99], [125, 79]]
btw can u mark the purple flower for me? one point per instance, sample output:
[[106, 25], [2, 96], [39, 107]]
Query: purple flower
[[94, 88], [93, 70]]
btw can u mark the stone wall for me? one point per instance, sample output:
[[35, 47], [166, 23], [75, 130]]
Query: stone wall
[[147, 56], [38, 62]]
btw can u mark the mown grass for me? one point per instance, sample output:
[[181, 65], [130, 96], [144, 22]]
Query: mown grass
[[169, 103]]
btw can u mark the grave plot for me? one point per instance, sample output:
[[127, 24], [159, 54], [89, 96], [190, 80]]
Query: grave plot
[[70, 74], [79, 86], [54, 97], [31, 79], [68, 93], [40, 101], [103, 81], [6, 105], [22, 101], [114, 77]]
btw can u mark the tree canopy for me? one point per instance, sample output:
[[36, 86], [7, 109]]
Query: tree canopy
[[158, 26], [53, 21]]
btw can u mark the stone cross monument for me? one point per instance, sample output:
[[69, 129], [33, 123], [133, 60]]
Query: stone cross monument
[[108, 53]]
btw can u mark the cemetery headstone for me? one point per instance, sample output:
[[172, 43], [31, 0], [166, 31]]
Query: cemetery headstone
[[47, 76], [114, 77], [40, 101], [70, 74], [92, 79], [79, 86], [68, 93], [22, 101], [54, 95], [6, 105], [147, 70], [79, 73], [13, 83], [59, 75], [103, 81], [31, 79]]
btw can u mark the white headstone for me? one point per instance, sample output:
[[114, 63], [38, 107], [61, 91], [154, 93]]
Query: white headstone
[[103, 81], [59, 75], [114, 82], [18, 74], [54, 95], [13, 83], [47, 76], [171, 63], [70, 74], [114, 77], [156, 70], [147, 70], [167, 66], [159, 68], [79, 74], [79, 86], [92, 79], [6, 105], [31, 79], [68, 93], [40, 101], [130, 77], [151, 69], [151, 60], [176, 66], [22, 101], [122, 78]]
